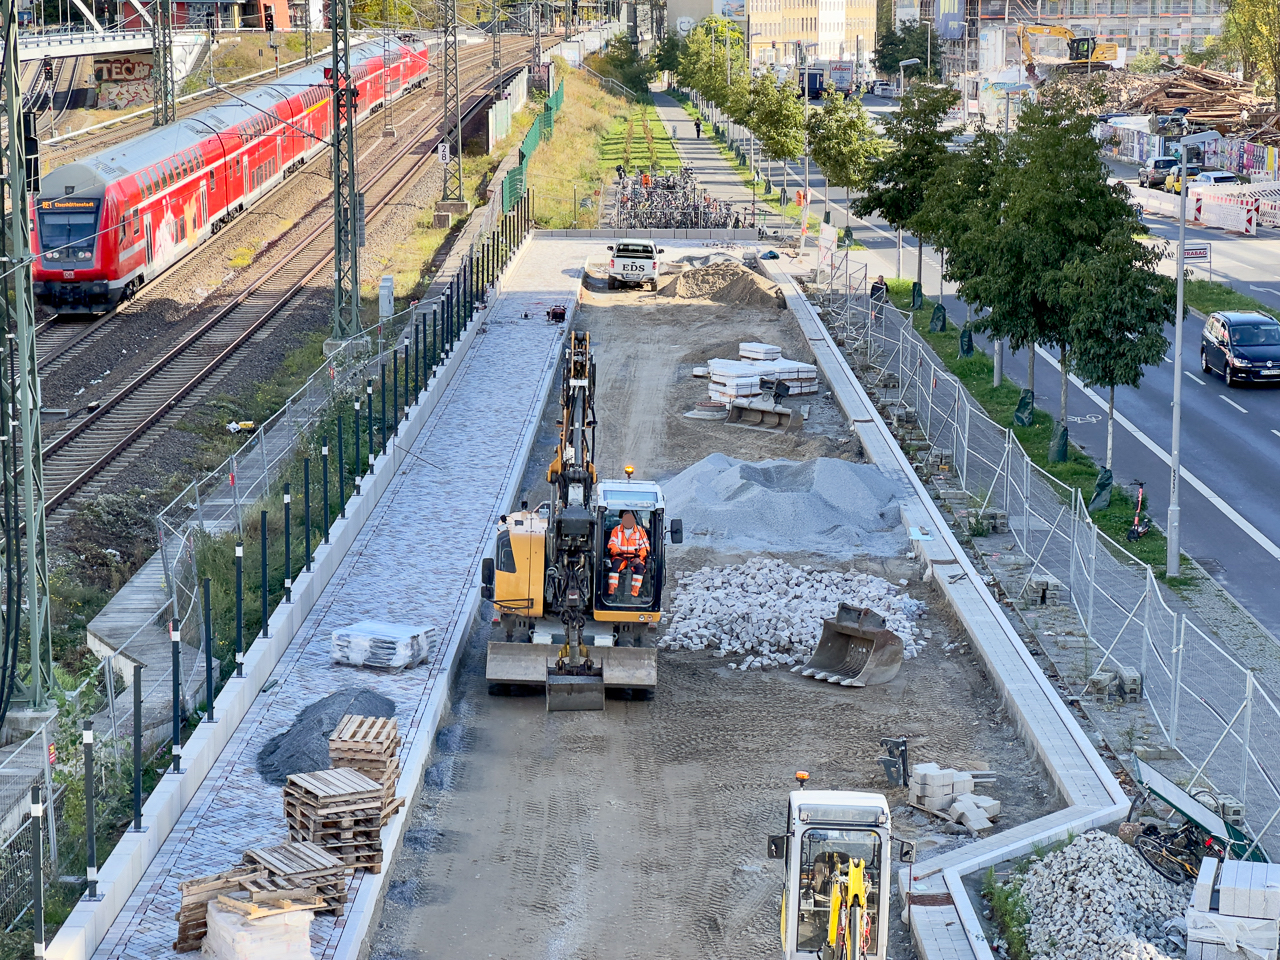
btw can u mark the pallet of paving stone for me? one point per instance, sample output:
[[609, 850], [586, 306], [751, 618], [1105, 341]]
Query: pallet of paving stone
[[305, 865], [370, 745], [341, 811], [192, 915]]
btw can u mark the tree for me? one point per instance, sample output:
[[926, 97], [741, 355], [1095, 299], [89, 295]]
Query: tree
[[667, 57], [619, 61], [1251, 32], [911, 39], [895, 182], [842, 141], [776, 117], [1120, 307], [1146, 60]]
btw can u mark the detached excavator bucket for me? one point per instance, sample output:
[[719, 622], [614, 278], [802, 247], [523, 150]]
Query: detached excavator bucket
[[765, 415], [856, 650]]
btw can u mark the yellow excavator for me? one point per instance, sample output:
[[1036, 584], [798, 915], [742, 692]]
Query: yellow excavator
[[1083, 53], [574, 613]]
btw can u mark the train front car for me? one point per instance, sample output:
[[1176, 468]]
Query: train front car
[[72, 271]]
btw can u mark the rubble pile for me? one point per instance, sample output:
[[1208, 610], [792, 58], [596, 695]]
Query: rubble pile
[[1213, 98], [770, 613], [1097, 899]]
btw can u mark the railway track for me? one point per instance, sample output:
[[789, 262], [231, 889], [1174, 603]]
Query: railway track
[[80, 457]]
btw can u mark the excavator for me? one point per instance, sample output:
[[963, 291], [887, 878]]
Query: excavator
[[836, 865], [1083, 53], [573, 614]]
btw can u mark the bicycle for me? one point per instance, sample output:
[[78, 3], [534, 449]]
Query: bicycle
[[1176, 855]]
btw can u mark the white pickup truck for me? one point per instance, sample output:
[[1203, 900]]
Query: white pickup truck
[[633, 262]]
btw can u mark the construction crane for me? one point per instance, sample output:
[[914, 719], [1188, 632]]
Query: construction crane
[[836, 857], [1083, 53], [573, 599]]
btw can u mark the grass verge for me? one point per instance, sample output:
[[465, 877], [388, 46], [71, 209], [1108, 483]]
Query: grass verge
[[1079, 471], [1210, 295], [1010, 913], [638, 141]]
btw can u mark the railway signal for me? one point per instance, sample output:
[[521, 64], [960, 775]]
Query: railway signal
[[269, 20]]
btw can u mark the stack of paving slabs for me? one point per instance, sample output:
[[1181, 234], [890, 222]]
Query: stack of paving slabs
[[370, 745], [949, 794], [1240, 919], [383, 646], [340, 810], [302, 867], [278, 929]]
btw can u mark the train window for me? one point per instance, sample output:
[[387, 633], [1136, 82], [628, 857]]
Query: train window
[[137, 222]]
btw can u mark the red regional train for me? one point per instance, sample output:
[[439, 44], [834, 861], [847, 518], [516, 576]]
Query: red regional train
[[105, 225]]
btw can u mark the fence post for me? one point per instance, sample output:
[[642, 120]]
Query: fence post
[[1244, 737], [175, 668], [1146, 630], [1026, 505], [359, 463], [1008, 467], [240, 609], [266, 598], [91, 839], [324, 470], [266, 467], [1179, 636], [964, 476], [368, 389], [1076, 500], [37, 870], [383, 371], [288, 559], [48, 789], [407, 402], [306, 508], [137, 747], [1093, 566], [417, 363], [199, 509], [208, 654]]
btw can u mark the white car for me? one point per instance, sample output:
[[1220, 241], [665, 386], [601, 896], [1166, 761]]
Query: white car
[[633, 263], [1214, 178]]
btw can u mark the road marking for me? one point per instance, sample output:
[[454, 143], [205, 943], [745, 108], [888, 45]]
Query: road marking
[[1252, 532], [1233, 403], [1168, 359], [1194, 377], [1276, 432], [1265, 290]]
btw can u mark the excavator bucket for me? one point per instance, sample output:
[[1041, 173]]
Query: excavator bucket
[[765, 415], [534, 664], [855, 650]]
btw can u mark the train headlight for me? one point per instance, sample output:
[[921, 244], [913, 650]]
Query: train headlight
[[54, 255], [84, 254]]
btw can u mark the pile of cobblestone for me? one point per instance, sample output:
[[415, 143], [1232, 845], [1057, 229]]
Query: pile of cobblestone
[[1097, 900], [770, 613]]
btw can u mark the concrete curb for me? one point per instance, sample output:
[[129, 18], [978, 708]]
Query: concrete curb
[[1093, 796], [126, 865]]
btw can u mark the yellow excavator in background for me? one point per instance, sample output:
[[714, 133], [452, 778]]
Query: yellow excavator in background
[[573, 615], [1083, 53]]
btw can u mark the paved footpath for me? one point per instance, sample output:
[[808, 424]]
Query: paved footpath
[[414, 562]]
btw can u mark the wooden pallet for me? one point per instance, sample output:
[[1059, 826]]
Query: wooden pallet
[[305, 864], [196, 893], [370, 745], [336, 789], [339, 810]]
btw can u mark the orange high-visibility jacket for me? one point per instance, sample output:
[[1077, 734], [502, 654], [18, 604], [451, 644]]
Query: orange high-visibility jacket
[[629, 543]]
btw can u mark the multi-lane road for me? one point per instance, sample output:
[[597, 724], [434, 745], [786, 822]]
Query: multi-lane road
[[1230, 437]]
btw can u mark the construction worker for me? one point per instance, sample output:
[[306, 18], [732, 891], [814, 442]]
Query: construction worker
[[628, 547]]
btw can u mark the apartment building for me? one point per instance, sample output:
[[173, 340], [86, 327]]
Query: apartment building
[[823, 29]]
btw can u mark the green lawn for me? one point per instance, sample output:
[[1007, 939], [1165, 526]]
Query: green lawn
[[1080, 471], [638, 140], [1209, 295]]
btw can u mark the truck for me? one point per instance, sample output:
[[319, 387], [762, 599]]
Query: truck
[[840, 77], [633, 263], [836, 853]]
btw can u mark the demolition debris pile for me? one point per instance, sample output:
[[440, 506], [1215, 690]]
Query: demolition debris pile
[[772, 612], [826, 506], [1210, 97], [1097, 900]]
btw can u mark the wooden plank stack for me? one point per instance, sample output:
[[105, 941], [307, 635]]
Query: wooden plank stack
[[339, 810], [370, 745], [1212, 98], [301, 867], [197, 893]]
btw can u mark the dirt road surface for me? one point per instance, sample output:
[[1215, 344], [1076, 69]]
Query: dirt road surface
[[640, 832]]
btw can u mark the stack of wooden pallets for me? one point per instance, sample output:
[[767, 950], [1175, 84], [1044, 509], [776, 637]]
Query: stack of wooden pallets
[[196, 896], [339, 810], [371, 746], [304, 867]]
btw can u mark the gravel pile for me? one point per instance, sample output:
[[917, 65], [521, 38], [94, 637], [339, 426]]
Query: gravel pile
[[1097, 900], [772, 612], [304, 747], [824, 506], [727, 282]]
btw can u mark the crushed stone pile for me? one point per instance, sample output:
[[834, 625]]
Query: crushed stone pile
[[728, 282], [304, 747], [772, 611], [1097, 900], [825, 506]]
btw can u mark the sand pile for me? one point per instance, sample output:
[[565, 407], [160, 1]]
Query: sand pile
[[727, 282], [825, 506]]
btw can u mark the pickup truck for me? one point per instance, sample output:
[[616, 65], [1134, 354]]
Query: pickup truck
[[633, 263]]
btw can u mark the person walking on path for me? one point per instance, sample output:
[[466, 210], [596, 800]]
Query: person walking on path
[[697, 129]]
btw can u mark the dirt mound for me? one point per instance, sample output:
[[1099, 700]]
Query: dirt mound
[[726, 282], [304, 747]]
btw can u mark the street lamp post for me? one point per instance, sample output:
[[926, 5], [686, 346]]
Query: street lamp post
[[902, 92], [1173, 555]]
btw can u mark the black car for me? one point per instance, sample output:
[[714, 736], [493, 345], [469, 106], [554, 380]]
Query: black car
[[1243, 347]]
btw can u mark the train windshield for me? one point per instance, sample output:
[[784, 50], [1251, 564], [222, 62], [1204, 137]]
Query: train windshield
[[68, 236]]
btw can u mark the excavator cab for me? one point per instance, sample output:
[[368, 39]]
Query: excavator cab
[[636, 595]]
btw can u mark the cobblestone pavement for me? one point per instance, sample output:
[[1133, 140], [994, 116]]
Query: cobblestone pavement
[[413, 563]]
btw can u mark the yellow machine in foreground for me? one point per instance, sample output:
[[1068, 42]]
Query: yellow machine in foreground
[[1083, 53], [836, 853], [574, 610]]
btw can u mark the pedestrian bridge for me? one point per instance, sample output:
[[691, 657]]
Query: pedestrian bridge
[[87, 43]]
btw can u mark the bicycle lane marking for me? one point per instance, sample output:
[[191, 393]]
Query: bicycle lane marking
[[1254, 534]]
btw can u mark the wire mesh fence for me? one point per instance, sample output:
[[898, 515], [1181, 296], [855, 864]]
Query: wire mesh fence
[[1217, 714]]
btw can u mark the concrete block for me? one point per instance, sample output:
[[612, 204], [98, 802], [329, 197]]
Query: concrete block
[[920, 770], [963, 783], [938, 790], [1250, 890], [977, 823], [1203, 892], [990, 808], [936, 777]]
